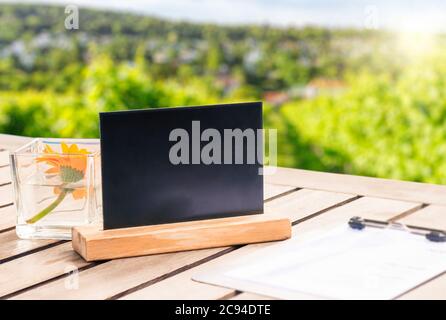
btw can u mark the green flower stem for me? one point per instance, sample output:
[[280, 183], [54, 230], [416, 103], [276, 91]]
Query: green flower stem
[[50, 208]]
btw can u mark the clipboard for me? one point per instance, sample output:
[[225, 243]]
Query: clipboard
[[291, 269]]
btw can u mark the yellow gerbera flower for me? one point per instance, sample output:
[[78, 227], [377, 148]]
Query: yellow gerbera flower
[[70, 165]]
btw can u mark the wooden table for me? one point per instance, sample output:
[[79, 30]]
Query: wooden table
[[314, 201]]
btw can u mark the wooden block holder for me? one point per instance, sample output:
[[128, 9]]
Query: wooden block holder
[[93, 243]]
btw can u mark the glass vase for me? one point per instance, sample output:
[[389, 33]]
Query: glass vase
[[57, 187]]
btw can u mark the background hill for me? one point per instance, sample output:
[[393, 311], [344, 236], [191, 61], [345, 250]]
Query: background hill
[[345, 100]]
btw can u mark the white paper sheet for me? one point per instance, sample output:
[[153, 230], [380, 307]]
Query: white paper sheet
[[344, 264]]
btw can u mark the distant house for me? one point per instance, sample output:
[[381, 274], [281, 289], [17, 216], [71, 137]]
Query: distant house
[[161, 57], [20, 50], [251, 59], [320, 86], [276, 98], [228, 83], [313, 89], [187, 55]]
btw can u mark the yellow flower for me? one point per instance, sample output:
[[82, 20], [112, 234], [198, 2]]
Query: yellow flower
[[70, 165]]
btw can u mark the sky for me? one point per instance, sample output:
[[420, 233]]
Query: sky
[[399, 15]]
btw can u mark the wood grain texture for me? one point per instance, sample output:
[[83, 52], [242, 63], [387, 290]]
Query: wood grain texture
[[273, 190], [303, 203], [432, 216], [369, 207], [8, 214], [11, 245], [125, 270], [366, 186], [6, 195], [107, 289], [429, 217], [4, 158], [32, 269], [8, 217], [10, 142], [434, 289], [117, 276], [93, 243], [309, 204], [184, 288], [5, 175], [155, 277]]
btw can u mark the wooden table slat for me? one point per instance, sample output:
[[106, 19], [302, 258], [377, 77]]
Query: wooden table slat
[[190, 289], [432, 290], [11, 246], [6, 195], [11, 143], [366, 186], [107, 289], [5, 176], [8, 217], [303, 203], [432, 216], [273, 190], [4, 158], [37, 267], [111, 278], [429, 217]]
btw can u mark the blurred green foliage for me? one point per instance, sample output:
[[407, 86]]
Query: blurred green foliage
[[381, 126], [355, 101]]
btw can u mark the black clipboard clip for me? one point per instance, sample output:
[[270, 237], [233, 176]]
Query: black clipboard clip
[[434, 235]]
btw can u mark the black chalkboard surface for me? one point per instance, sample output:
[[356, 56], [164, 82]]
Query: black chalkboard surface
[[179, 164]]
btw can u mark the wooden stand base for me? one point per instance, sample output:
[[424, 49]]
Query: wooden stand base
[[93, 243]]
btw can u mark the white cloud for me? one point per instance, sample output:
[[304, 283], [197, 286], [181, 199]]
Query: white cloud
[[417, 15]]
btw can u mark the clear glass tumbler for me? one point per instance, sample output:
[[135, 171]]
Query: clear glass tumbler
[[57, 186]]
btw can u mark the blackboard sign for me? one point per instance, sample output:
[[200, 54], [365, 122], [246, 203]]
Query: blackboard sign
[[180, 164]]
